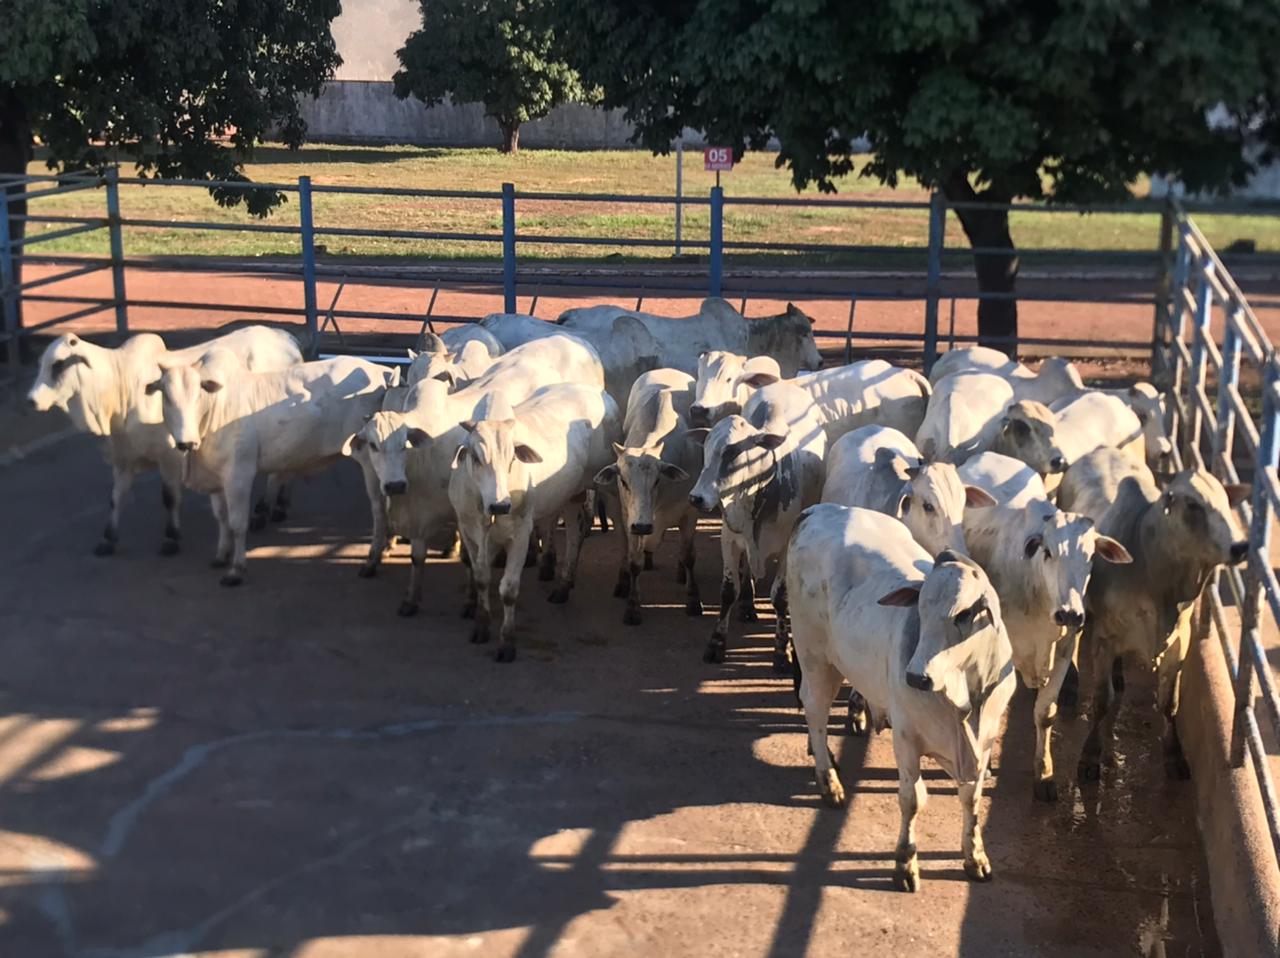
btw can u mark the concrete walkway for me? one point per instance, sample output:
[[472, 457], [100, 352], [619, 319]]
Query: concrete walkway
[[289, 769]]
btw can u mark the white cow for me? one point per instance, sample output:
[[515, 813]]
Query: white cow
[[652, 477], [103, 391], [1039, 559], [626, 348], [1142, 612], [456, 337], [233, 424], [1092, 420], [963, 416], [924, 643], [533, 467], [1010, 482], [410, 450], [787, 337], [1028, 432], [876, 467], [1055, 378], [725, 381], [457, 368], [761, 468]]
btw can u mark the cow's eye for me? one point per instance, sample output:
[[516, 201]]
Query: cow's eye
[[373, 446], [928, 507], [622, 482], [1047, 555]]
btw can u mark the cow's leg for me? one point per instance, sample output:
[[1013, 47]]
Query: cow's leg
[[378, 510], [912, 796], [731, 556], [635, 564], [1106, 702], [239, 498], [546, 552], [122, 481], [1168, 693], [1046, 711], [648, 560], [171, 496], [577, 523], [222, 554], [781, 631], [509, 589], [481, 570], [976, 863], [469, 548], [283, 499], [693, 599], [417, 566], [622, 588], [859, 716], [746, 592], [818, 687]]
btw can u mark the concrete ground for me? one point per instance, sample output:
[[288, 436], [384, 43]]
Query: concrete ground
[[289, 769]]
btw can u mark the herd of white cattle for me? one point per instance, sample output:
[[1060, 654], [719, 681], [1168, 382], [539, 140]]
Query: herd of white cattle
[[923, 539]]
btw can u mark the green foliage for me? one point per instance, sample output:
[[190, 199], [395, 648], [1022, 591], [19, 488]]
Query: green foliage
[[501, 53], [185, 87], [1068, 99]]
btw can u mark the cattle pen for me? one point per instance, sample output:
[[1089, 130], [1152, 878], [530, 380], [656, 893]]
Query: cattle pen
[[363, 783]]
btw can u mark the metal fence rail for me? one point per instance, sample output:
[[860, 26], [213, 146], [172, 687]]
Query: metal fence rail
[[1224, 409]]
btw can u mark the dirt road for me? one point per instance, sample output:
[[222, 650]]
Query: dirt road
[[289, 769]]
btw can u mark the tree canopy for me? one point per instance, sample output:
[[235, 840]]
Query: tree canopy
[[983, 99], [500, 53], [184, 87]]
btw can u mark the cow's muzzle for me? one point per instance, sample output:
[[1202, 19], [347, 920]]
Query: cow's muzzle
[[1239, 550], [701, 504], [642, 528], [1069, 618], [921, 682], [1058, 464], [500, 508], [189, 445], [699, 416], [397, 487]]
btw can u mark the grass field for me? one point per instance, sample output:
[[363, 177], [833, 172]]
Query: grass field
[[633, 172]]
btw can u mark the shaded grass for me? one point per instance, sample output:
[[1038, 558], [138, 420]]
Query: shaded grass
[[615, 171]]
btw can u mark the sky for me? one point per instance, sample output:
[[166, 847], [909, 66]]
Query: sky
[[368, 34]]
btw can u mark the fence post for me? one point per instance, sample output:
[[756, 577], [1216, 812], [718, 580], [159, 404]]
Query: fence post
[[117, 251], [8, 304], [1195, 384], [508, 247], [715, 279], [933, 280], [1164, 278], [308, 238]]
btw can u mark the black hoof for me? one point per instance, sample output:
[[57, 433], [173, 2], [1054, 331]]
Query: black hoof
[[1090, 770], [1176, 767], [168, 547], [469, 610], [407, 609], [631, 616], [1046, 790], [622, 589], [559, 595], [219, 562], [693, 607], [747, 614], [505, 653], [257, 522], [648, 562], [479, 635], [104, 548], [279, 515], [367, 571], [714, 653], [232, 579]]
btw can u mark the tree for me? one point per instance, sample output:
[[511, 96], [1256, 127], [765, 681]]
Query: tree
[[500, 53], [185, 88], [985, 100]]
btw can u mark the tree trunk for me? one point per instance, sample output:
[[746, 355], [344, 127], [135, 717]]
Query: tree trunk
[[15, 154], [510, 136], [997, 272]]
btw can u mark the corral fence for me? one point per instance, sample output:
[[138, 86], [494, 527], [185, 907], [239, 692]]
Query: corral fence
[[930, 265], [1222, 381]]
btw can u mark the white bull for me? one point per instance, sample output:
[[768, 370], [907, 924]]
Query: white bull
[[233, 424], [762, 469], [457, 367], [103, 391], [652, 477], [963, 416], [924, 643], [533, 467]]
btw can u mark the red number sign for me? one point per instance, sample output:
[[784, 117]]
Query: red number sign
[[717, 158]]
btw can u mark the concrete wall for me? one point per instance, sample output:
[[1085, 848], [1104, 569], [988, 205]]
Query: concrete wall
[[367, 111]]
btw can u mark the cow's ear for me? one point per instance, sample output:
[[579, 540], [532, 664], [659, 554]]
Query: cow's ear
[[353, 444], [210, 385], [1110, 550], [770, 440], [606, 475], [698, 435], [468, 425], [912, 471], [1032, 546], [446, 376], [152, 388], [415, 437], [527, 454], [673, 472], [758, 379], [413, 354], [975, 497], [1237, 493], [908, 595]]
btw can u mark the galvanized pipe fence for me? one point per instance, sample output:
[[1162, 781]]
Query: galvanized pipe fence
[[1221, 378]]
